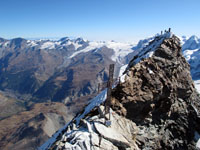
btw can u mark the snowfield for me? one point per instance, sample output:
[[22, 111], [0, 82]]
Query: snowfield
[[120, 49], [48, 45]]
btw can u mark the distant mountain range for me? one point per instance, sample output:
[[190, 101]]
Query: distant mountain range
[[57, 70], [66, 71], [191, 51]]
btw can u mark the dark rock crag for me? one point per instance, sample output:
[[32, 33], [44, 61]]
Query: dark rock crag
[[159, 96]]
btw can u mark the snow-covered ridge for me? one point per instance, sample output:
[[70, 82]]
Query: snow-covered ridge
[[76, 46], [149, 50], [145, 53], [61, 43], [47, 43], [99, 99]]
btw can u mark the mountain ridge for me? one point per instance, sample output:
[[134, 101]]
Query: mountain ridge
[[156, 102]]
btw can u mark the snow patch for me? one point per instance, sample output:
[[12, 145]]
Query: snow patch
[[150, 71], [121, 75], [192, 56], [183, 39], [122, 70], [150, 54], [92, 103], [188, 54], [120, 49], [197, 138], [6, 43], [31, 43], [48, 45], [82, 136], [92, 46], [76, 45], [197, 85]]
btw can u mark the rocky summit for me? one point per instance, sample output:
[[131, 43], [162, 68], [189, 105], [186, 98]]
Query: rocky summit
[[154, 106], [159, 96]]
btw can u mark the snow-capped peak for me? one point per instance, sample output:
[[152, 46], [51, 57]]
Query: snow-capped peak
[[79, 40], [192, 43], [193, 38]]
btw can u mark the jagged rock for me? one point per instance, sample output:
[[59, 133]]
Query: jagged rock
[[157, 95], [93, 134]]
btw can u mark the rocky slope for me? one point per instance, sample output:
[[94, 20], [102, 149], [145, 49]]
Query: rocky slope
[[28, 129], [155, 107], [9, 106]]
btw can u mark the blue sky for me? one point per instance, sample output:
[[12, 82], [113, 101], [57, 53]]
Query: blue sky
[[120, 20]]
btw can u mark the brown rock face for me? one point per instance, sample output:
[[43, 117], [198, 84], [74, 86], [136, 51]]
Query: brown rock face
[[159, 96]]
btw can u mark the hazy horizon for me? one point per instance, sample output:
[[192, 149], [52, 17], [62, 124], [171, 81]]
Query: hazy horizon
[[123, 21]]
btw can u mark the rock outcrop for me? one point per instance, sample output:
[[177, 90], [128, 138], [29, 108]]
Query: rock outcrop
[[94, 134], [159, 96], [155, 107]]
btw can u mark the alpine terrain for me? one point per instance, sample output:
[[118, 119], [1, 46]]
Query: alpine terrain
[[154, 105], [45, 83]]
